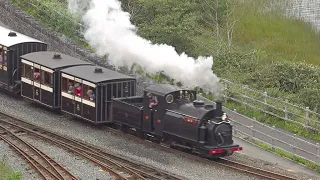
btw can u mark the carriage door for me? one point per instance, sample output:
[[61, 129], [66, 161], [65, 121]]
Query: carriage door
[[36, 82], [78, 92]]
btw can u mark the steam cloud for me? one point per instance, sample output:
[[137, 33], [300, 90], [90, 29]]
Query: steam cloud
[[110, 32]]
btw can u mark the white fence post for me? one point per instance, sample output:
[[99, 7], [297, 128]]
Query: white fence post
[[286, 109], [294, 144], [273, 133], [318, 150], [253, 128], [245, 88], [307, 116]]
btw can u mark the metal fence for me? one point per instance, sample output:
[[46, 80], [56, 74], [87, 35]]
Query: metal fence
[[276, 138], [279, 108]]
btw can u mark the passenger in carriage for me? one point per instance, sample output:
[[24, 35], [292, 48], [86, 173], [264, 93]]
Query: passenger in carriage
[[71, 88], [36, 75], [91, 95], [1, 58], [78, 90]]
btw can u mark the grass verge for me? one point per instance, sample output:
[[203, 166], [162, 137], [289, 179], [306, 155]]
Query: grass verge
[[6, 173], [282, 153]]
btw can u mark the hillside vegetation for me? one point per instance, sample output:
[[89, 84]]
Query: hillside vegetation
[[252, 42]]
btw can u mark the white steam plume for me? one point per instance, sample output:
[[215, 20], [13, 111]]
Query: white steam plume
[[111, 33]]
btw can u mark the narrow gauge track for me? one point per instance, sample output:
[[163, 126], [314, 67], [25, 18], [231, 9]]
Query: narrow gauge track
[[47, 167], [265, 174], [117, 166]]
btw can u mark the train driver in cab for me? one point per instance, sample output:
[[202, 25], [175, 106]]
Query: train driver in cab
[[153, 101]]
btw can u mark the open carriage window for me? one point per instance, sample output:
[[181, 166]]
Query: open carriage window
[[89, 93], [78, 89], [3, 57], [47, 78], [27, 71], [68, 86], [36, 75]]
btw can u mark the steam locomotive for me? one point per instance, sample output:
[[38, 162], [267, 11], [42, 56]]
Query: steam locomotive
[[164, 113]]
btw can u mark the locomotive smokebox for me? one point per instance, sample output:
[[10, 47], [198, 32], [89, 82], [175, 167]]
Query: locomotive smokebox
[[218, 110]]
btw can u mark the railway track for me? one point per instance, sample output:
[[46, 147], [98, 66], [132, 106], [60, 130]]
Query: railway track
[[47, 167], [261, 173], [252, 170], [118, 167]]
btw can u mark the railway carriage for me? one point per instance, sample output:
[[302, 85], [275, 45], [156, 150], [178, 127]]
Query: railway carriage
[[87, 91], [40, 78], [12, 46]]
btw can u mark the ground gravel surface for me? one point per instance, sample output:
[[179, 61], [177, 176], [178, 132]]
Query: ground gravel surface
[[113, 143], [16, 162], [78, 166]]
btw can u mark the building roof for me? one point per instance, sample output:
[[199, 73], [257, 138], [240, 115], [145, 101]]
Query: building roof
[[88, 73], [45, 58], [8, 41], [163, 89]]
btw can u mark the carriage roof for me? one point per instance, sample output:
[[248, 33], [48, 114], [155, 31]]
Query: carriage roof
[[163, 89], [8, 41], [46, 58], [96, 74]]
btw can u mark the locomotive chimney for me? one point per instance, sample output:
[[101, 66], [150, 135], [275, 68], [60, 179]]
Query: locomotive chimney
[[218, 111]]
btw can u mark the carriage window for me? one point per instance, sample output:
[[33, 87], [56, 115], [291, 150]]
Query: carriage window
[[78, 89], [27, 71], [36, 75], [68, 86], [89, 92], [3, 57], [46, 78]]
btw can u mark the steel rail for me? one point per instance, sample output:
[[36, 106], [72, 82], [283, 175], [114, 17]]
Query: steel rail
[[45, 165]]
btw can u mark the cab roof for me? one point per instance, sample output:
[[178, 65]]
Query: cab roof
[[48, 59], [163, 89], [96, 74], [8, 41]]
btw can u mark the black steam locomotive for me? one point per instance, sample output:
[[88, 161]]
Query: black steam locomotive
[[165, 113]]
